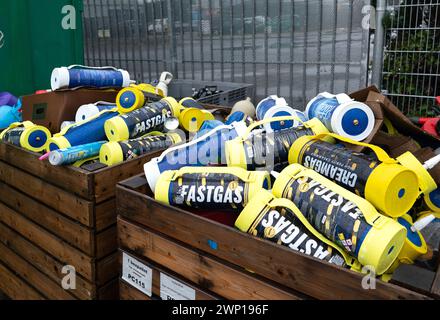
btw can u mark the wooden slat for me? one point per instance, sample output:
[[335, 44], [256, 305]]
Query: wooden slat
[[105, 180], [206, 272], [50, 243], [107, 268], [68, 178], [106, 242], [297, 271], [127, 292], [414, 278], [43, 262], [105, 214], [157, 270], [74, 233], [32, 275], [56, 198], [15, 288]]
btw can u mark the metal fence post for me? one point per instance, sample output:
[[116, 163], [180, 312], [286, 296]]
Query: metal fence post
[[378, 44], [173, 45]]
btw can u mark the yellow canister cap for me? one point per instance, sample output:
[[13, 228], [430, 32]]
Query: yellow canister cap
[[392, 188], [284, 177], [428, 199], [175, 106], [111, 154], [32, 137], [192, 119], [415, 245], [161, 192], [297, 147], [116, 129], [130, 99], [190, 103], [253, 210], [426, 182], [382, 246], [59, 142]]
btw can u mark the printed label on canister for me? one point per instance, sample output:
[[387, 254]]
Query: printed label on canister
[[339, 219], [134, 148], [347, 168], [147, 119], [13, 136], [95, 78], [271, 150], [323, 108], [282, 226], [209, 191]]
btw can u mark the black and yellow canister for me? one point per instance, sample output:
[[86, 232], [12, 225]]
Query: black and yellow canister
[[280, 221], [432, 200], [142, 121], [218, 188], [344, 218], [190, 103], [258, 149], [389, 186], [414, 247], [137, 96], [26, 135], [191, 119], [426, 182], [114, 152]]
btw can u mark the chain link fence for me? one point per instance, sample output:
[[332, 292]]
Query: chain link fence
[[411, 74], [295, 49]]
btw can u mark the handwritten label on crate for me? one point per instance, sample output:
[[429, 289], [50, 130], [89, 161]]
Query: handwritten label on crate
[[137, 274], [171, 289]]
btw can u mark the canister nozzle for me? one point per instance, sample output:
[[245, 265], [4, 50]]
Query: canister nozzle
[[431, 163], [422, 223], [275, 174]]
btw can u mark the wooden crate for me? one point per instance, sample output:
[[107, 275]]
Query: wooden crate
[[51, 217], [206, 271], [128, 292], [196, 248]]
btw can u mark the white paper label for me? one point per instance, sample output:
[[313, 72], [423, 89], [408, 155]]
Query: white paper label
[[137, 274], [171, 289]]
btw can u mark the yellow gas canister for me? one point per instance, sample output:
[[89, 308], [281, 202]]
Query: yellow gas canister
[[114, 152], [191, 119], [26, 135], [141, 121], [388, 185], [218, 188], [137, 96], [343, 217], [414, 247], [280, 221], [426, 182], [258, 149]]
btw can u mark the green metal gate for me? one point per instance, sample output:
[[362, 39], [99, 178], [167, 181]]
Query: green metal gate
[[34, 40]]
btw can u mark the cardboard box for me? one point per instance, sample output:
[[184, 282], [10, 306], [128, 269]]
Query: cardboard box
[[399, 121], [411, 137], [52, 108]]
